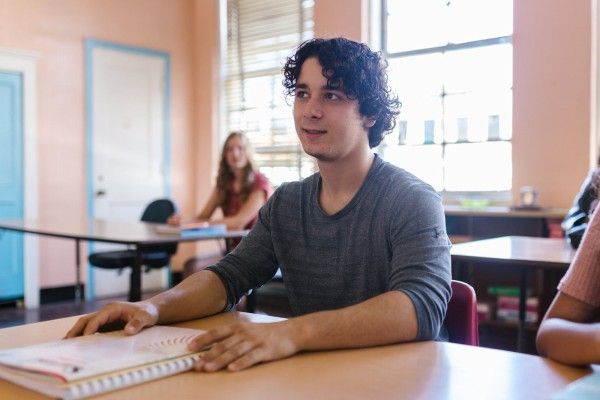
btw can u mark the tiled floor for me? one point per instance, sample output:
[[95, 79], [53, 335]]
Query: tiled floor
[[11, 315]]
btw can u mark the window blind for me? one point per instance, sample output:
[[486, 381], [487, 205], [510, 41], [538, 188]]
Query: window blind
[[260, 36]]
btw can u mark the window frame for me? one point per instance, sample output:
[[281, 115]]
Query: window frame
[[380, 11]]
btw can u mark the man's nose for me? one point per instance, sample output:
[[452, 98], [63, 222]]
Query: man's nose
[[313, 108]]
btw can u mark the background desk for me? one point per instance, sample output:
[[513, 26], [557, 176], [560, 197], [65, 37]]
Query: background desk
[[137, 234], [525, 253], [425, 370], [465, 224]]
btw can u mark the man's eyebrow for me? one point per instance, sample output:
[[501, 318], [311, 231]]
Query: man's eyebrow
[[324, 87]]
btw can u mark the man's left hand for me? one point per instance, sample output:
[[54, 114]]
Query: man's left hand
[[243, 344]]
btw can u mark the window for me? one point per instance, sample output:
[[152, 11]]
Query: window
[[260, 36], [450, 62]]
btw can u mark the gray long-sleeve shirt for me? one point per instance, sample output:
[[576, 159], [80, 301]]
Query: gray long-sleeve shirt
[[391, 236]]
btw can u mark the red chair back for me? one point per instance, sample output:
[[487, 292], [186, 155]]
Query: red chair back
[[461, 316]]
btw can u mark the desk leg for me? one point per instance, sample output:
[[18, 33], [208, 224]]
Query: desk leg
[[78, 286], [549, 282], [522, 310], [461, 271], [251, 302], [135, 280]]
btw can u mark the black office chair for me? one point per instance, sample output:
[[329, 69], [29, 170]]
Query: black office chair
[[152, 258]]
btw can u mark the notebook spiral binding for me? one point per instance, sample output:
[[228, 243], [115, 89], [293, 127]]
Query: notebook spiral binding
[[127, 378]]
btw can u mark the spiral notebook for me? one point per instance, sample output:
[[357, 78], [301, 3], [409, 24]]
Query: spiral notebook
[[89, 365]]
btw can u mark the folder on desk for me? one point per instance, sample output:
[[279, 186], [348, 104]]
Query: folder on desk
[[192, 230]]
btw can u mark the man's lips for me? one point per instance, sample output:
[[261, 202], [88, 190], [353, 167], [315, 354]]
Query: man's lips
[[314, 131]]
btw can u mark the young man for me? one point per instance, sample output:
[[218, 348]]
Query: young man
[[361, 245]]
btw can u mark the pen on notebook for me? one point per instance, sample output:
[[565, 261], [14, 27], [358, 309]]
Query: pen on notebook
[[67, 366]]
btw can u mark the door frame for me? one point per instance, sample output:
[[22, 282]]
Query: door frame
[[595, 58], [25, 64], [90, 46]]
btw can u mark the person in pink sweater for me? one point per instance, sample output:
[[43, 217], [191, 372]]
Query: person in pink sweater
[[570, 330]]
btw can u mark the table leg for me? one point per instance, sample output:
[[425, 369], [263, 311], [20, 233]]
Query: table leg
[[461, 271], [548, 285], [78, 286], [135, 280], [251, 302], [522, 310]]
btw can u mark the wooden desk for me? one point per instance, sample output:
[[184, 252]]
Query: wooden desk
[[478, 223], [140, 235], [525, 253], [425, 370], [505, 212]]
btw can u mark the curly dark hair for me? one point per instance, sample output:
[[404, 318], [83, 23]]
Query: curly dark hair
[[358, 71]]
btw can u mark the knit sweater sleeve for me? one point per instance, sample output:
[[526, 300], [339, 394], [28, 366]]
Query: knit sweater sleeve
[[252, 263], [420, 265], [582, 279]]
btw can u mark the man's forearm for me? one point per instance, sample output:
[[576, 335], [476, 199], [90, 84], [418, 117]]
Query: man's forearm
[[197, 296], [384, 319]]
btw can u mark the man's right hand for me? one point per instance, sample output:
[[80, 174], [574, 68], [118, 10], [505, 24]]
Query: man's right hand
[[135, 315]]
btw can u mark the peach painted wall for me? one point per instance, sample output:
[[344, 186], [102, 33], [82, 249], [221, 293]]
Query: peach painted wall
[[552, 109], [347, 18], [55, 30], [207, 87]]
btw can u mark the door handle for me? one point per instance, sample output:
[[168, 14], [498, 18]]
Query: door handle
[[100, 193]]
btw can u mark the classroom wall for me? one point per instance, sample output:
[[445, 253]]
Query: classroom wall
[[552, 108], [552, 96], [348, 18]]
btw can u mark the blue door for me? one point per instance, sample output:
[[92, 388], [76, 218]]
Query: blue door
[[11, 183]]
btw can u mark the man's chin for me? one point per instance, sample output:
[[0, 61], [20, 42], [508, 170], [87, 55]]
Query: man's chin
[[319, 156]]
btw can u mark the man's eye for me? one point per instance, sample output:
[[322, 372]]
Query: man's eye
[[331, 96], [301, 94]]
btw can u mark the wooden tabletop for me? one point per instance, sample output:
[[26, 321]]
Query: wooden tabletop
[[497, 211], [522, 250], [425, 370], [132, 233]]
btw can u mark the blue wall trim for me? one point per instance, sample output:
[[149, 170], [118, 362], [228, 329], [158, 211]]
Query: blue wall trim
[[90, 46]]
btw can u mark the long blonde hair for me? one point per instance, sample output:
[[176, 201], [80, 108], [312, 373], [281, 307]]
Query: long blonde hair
[[225, 175]]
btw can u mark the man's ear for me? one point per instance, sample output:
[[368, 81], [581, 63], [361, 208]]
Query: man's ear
[[369, 122]]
